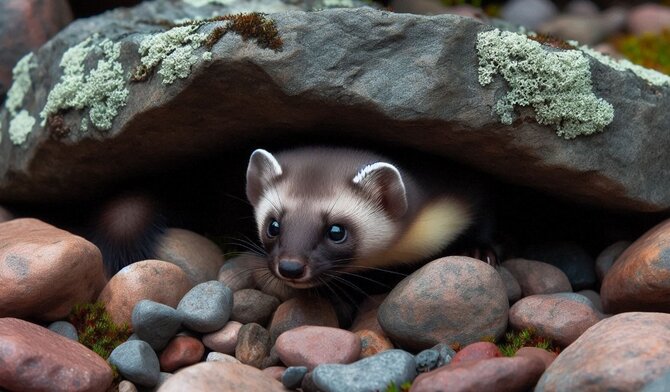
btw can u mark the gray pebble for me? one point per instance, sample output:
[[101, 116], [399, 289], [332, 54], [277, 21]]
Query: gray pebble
[[206, 307], [253, 306], [292, 376], [446, 354], [155, 323], [137, 362], [427, 360], [661, 384], [64, 328], [368, 374]]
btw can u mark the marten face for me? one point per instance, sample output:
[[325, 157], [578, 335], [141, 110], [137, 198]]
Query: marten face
[[314, 221]]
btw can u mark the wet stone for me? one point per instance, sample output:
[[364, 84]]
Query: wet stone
[[206, 307]]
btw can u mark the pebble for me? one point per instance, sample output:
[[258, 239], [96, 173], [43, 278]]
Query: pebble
[[560, 317], [427, 360], [453, 299], [45, 270], [447, 353], [223, 340], [253, 345], [237, 274], [33, 357], [292, 376], [528, 13], [621, 353], [127, 386], [301, 311], [311, 346], [214, 356], [182, 351], [206, 307], [640, 279], [494, 374], [372, 343], [661, 384], [511, 284], [594, 297], [199, 257], [64, 328], [155, 323], [275, 372], [137, 362], [476, 352], [546, 357], [253, 306], [608, 257], [221, 376], [145, 279], [582, 7], [536, 277], [570, 258], [368, 374], [648, 18]]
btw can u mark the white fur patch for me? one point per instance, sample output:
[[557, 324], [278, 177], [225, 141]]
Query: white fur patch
[[276, 167], [364, 172]]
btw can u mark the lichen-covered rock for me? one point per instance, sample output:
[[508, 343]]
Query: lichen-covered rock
[[453, 299], [640, 278], [307, 58], [45, 270], [623, 353], [36, 359]]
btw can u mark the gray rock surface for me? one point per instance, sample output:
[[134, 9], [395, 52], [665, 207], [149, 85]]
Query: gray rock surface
[[137, 362], [368, 74], [155, 323], [292, 377], [206, 307], [66, 329], [369, 374]]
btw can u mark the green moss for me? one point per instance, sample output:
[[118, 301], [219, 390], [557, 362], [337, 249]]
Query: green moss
[[102, 90], [96, 329], [404, 387], [556, 84], [20, 127], [21, 83], [524, 338], [650, 50]]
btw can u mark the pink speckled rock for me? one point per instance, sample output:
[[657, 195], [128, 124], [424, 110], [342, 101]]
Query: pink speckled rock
[[311, 346], [221, 376], [223, 340], [180, 352], [476, 352]]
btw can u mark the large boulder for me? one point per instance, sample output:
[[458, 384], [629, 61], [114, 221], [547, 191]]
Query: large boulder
[[126, 84]]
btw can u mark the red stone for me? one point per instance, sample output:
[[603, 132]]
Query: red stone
[[180, 352], [476, 352]]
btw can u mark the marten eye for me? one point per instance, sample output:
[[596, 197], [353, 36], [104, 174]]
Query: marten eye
[[337, 234], [273, 228]]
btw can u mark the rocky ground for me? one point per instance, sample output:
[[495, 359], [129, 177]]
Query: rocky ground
[[112, 86]]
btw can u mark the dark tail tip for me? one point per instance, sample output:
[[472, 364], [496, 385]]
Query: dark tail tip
[[127, 229]]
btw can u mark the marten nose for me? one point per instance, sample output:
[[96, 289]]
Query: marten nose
[[291, 269]]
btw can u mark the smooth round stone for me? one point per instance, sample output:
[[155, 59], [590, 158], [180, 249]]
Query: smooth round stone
[[427, 360], [546, 357], [529, 13], [311, 346], [182, 351], [494, 374], [594, 298], [570, 258], [536, 277], [561, 317], [661, 384], [147, 279], [253, 345], [368, 374], [199, 257], [476, 352], [640, 278], [214, 356], [292, 376], [648, 18], [447, 353], [511, 284], [64, 328], [622, 353], [137, 362], [275, 372], [155, 323], [127, 386], [223, 340], [236, 274], [221, 376], [206, 307], [253, 306], [372, 342], [608, 257], [301, 311], [453, 299]]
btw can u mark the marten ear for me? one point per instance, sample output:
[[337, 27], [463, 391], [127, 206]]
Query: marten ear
[[383, 182], [262, 169]]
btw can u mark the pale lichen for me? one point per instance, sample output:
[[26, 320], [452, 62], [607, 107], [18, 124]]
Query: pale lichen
[[173, 50], [200, 3], [652, 76], [21, 83], [557, 84], [20, 127], [102, 90], [337, 3]]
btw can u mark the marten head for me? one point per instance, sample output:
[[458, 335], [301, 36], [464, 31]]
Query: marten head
[[320, 210]]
